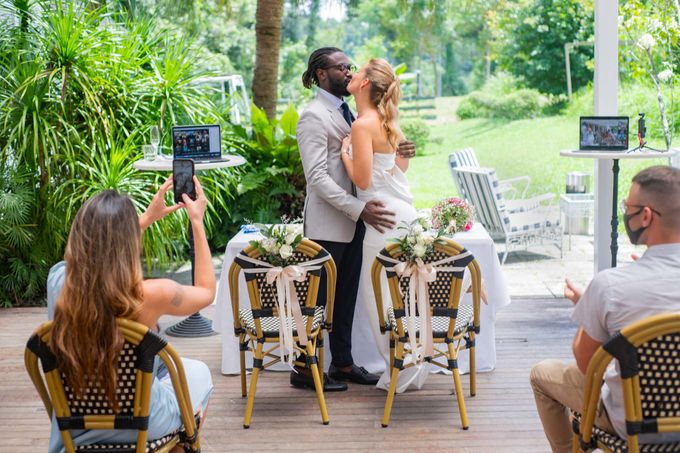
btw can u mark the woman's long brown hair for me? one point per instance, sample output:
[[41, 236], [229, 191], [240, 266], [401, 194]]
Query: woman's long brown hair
[[103, 281]]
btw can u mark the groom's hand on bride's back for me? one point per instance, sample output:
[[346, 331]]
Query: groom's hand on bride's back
[[406, 149], [377, 216]]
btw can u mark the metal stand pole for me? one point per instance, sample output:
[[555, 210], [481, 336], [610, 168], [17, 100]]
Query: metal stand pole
[[615, 218], [195, 325]]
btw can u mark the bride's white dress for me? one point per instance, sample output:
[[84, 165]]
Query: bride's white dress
[[390, 186]]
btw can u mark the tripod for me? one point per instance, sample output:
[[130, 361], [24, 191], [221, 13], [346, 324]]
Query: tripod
[[642, 131]]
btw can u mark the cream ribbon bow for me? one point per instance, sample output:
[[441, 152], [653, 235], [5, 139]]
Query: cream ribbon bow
[[420, 275], [288, 307]]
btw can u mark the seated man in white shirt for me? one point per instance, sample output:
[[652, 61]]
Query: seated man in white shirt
[[615, 299]]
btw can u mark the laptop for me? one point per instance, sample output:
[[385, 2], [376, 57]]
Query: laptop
[[603, 133], [200, 143]]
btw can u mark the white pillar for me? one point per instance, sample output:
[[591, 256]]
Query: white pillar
[[606, 91]]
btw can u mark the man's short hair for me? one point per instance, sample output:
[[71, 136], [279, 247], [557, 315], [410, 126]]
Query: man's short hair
[[660, 186]]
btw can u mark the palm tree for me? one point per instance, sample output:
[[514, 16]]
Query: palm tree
[[268, 42]]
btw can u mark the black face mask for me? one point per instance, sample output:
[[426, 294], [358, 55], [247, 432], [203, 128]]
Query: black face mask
[[633, 235]]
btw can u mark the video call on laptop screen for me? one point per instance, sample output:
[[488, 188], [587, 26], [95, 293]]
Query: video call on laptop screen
[[196, 142], [603, 133]]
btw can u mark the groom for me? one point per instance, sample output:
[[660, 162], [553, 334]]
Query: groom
[[333, 216]]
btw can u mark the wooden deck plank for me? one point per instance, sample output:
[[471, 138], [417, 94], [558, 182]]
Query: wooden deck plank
[[502, 416]]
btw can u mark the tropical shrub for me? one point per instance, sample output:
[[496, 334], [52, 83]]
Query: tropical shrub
[[501, 98], [417, 131], [272, 182], [79, 89]]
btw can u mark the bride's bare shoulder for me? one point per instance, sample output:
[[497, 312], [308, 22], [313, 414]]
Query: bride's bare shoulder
[[366, 124]]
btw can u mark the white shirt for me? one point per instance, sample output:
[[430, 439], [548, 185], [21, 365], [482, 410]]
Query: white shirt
[[620, 296]]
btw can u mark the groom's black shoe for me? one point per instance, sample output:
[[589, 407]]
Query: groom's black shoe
[[303, 380], [357, 374]]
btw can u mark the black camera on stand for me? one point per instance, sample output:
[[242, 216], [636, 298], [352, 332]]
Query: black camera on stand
[[642, 130]]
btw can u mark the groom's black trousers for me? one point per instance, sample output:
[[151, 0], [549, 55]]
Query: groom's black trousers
[[347, 257]]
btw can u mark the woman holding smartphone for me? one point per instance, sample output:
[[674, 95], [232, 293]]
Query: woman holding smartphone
[[103, 280]]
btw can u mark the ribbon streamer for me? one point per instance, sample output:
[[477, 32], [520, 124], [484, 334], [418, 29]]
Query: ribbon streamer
[[288, 307]]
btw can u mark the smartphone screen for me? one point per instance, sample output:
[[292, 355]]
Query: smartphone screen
[[182, 178]]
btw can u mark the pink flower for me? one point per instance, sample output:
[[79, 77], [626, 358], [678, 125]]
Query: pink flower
[[468, 226]]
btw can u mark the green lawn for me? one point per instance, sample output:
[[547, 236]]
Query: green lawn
[[524, 147]]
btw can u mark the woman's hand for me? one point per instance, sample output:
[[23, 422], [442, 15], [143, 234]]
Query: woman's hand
[[196, 209], [157, 209]]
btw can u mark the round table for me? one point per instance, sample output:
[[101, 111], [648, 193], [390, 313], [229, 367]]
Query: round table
[[616, 156], [195, 325]]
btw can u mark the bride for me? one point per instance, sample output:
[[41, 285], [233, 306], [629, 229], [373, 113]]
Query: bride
[[378, 173]]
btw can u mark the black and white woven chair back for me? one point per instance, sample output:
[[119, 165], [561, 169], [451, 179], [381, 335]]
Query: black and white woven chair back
[[439, 290], [267, 292], [659, 368], [94, 402]]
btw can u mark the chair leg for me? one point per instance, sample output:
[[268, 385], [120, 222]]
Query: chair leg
[[318, 384], [242, 343], [575, 446], [391, 353], [393, 386], [258, 357], [459, 390], [473, 366], [505, 254], [319, 349]]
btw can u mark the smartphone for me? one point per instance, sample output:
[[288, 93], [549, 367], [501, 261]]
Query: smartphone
[[183, 178]]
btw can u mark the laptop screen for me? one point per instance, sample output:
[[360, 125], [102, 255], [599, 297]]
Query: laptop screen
[[603, 133], [200, 142]]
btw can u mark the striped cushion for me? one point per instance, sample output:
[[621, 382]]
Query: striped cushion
[[270, 324], [440, 324], [533, 221]]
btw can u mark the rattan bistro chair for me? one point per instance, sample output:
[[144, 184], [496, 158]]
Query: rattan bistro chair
[[135, 377], [648, 354], [453, 326], [259, 324]]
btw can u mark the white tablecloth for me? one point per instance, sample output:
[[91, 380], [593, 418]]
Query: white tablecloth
[[477, 241]]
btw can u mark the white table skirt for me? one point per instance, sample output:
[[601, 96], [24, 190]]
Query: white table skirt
[[364, 352]]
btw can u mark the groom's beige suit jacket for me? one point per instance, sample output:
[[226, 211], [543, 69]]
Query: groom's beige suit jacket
[[331, 211]]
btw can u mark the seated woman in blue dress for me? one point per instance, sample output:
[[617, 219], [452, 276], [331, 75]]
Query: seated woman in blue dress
[[101, 279]]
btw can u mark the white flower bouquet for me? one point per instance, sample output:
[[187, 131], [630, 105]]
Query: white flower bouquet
[[418, 241], [278, 242]]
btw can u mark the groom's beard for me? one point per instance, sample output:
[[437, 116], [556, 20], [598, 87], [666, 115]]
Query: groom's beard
[[339, 87]]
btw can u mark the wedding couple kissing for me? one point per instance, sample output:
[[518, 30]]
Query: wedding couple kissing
[[357, 194]]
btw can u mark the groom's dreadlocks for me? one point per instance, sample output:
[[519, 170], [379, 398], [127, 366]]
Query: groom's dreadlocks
[[317, 60]]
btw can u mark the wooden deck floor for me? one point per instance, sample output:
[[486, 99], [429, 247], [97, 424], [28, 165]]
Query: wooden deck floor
[[502, 416]]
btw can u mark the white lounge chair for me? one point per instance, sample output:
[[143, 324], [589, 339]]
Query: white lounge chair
[[537, 222], [466, 157]]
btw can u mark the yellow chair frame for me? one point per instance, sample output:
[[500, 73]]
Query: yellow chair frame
[[53, 395], [454, 342], [255, 343], [633, 335]]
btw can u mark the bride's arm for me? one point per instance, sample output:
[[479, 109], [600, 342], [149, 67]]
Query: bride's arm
[[360, 165]]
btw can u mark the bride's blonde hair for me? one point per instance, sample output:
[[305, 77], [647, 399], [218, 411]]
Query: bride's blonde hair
[[384, 94]]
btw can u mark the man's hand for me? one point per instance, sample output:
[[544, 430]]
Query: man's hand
[[157, 209], [406, 149], [571, 292], [377, 216]]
